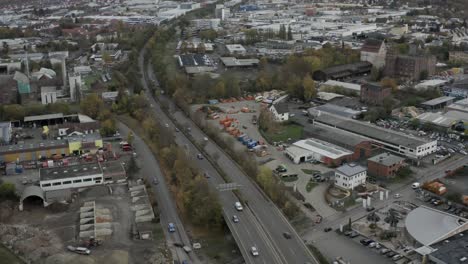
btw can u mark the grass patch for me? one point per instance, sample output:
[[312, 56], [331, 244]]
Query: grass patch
[[320, 257], [285, 133], [289, 178], [220, 247], [310, 172], [310, 185], [7, 257]]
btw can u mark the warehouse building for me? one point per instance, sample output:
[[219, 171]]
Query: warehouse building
[[411, 147], [438, 103], [342, 72], [318, 150], [77, 176], [80, 176]]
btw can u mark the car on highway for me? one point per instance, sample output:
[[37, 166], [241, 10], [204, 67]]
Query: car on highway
[[254, 251], [238, 206], [199, 156], [397, 195], [187, 249], [155, 181], [171, 227], [178, 244], [235, 219], [287, 235], [166, 125]]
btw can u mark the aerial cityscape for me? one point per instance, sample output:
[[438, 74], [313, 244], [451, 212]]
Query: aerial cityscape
[[234, 131]]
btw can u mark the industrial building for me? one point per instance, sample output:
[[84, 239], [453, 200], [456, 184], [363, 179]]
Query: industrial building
[[374, 93], [408, 146], [69, 177], [318, 150], [231, 62], [350, 87], [438, 103], [438, 225], [342, 72], [374, 51], [384, 165], [80, 176]]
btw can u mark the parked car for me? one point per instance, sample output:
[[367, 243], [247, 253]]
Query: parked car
[[281, 168], [415, 185], [199, 156], [396, 257], [348, 233], [366, 241], [327, 229], [384, 251], [391, 254], [397, 195], [370, 209], [287, 235], [354, 234]]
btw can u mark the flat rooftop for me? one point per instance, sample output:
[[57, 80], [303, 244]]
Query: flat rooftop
[[366, 129], [323, 148], [386, 159], [453, 249], [73, 171], [439, 100], [428, 226], [33, 144]]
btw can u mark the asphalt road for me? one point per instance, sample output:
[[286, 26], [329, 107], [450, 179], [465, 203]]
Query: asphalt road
[[149, 168], [261, 223]]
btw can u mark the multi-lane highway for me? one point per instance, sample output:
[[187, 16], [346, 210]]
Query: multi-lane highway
[[150, 170], [261, 224]]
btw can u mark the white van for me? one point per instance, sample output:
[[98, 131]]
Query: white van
[[415, 185], [238, 206]]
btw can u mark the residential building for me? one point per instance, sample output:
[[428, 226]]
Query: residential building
[[409, 67], [349, 176], [48, 95], [5, 132], [342, 72], [374, 93], [8, 90], [280, 112], [458, 56], [374, 51], [384, 165], [236, 49]]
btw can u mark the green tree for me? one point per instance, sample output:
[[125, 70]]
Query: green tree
[[13, 112], [108, 127], [132, 168], [309, 88], [220, 89], [423, 75], [389, 83], [91, 105], [290, 36], [7, 191]]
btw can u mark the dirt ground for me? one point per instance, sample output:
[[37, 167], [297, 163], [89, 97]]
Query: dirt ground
[[42, 234]]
